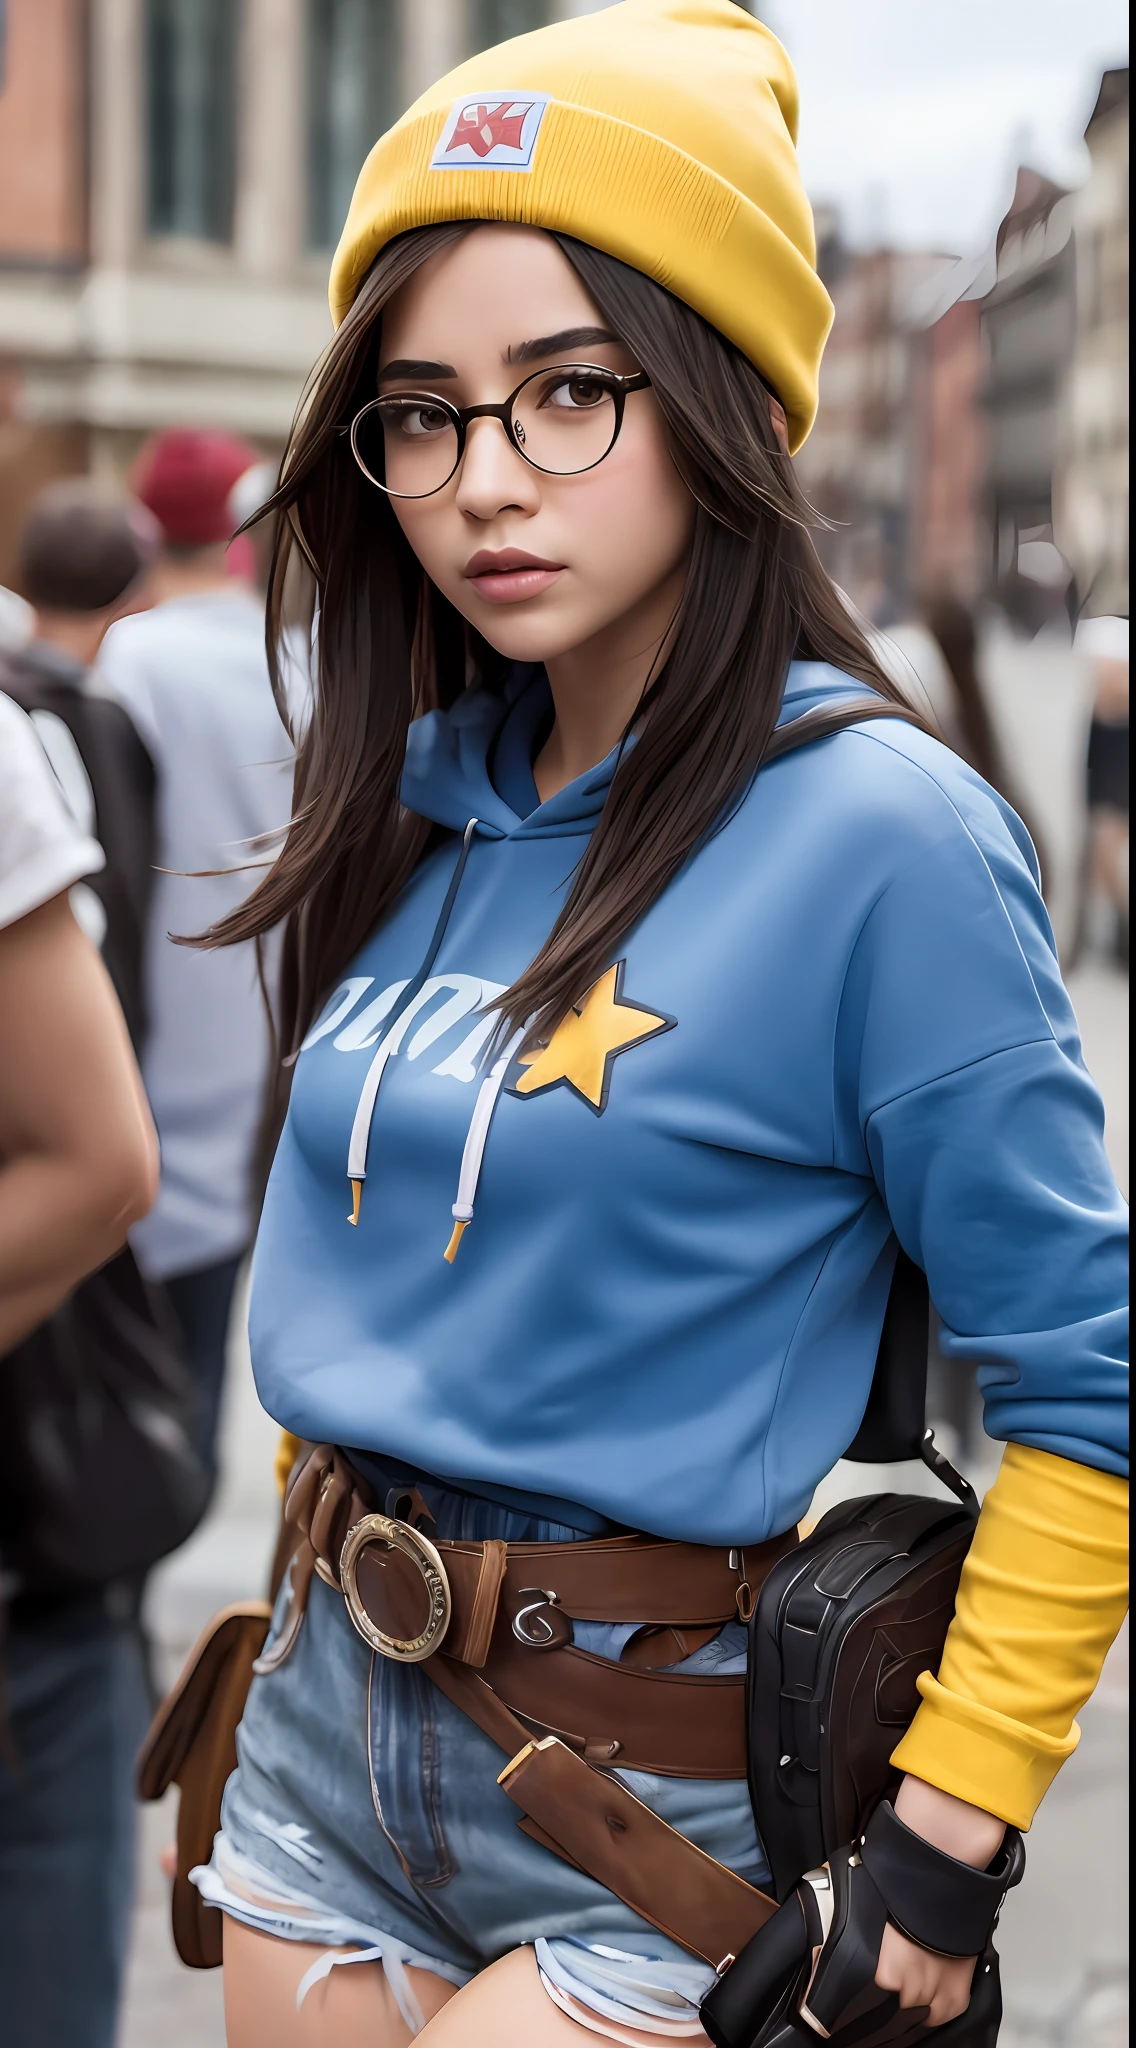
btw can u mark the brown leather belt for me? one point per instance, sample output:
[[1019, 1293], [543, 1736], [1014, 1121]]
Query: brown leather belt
[[510, 1606], [490, 1623]]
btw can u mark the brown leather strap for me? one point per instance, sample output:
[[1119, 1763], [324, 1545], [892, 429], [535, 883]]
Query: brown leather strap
[[671, 1722], [594, 1822]]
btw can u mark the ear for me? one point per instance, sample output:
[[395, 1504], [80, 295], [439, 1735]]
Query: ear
[[779, 423]]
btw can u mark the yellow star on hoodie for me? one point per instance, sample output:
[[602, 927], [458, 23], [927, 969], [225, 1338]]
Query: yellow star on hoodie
[[588, 1039]]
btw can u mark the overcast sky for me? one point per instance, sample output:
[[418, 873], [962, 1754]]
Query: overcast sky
[[914, 112]]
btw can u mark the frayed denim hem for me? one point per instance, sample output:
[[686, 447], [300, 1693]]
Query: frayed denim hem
[[240, 1888]]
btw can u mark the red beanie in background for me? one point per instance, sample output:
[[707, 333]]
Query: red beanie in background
[[185, 476]]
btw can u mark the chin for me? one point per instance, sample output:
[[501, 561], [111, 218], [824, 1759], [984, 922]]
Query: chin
[[527, 639]]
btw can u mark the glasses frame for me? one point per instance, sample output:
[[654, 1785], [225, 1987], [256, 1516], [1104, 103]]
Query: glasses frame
[[461, 416]]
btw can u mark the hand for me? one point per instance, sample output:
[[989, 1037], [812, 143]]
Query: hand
[[970, 1835]]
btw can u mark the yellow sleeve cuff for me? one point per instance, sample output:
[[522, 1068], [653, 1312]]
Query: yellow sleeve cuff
[[981, 1756], [286, 1451], [1042, 1594]]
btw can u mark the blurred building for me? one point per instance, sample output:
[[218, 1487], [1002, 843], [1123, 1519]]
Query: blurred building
[[173, 177], [856, 466], [948, 534], [1028, 322], [1091, 482]]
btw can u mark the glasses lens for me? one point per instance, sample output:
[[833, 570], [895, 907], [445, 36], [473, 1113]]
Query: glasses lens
[[566, 420], [408, 444]]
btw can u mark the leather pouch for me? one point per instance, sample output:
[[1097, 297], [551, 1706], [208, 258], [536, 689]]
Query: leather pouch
[[192, 1743]]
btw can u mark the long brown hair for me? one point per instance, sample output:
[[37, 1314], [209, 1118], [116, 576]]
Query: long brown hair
[[389, 646]]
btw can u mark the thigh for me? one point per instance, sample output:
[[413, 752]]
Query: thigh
[[77, 1709], [508, 2007], [352, 2007]]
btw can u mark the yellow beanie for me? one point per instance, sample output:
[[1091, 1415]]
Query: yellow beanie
[[661, 131]]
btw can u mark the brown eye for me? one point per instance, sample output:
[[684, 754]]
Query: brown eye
[[414, 418], [577, 394]]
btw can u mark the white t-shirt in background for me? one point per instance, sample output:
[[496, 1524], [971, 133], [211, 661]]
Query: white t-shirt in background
[[192, 674], [42, 849]]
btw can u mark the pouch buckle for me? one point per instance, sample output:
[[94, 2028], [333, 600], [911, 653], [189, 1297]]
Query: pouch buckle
[[384, 1532]]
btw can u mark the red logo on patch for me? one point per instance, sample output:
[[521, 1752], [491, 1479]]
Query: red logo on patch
[[486, 128]]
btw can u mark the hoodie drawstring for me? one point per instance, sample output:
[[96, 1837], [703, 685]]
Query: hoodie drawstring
[[361, 1128], [476, 1139]]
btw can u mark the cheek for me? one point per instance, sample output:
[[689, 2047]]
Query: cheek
[[633, 518], [435, 534]]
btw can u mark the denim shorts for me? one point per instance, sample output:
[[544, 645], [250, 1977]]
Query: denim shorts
[[365, 1816]]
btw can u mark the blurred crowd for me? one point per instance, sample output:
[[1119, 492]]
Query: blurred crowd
[[145, 772]]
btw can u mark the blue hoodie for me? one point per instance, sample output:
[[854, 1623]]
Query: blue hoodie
[[842, 1020]]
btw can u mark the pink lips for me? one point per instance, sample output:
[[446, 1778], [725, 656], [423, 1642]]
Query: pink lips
[[509, 575]]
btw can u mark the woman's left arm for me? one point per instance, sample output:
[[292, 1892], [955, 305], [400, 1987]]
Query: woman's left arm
[[984, 1135], [1043, 1592]]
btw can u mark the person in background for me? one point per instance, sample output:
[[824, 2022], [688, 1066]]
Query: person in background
[[78, 1167], [965, 715], [193, 675], [1104, 642], [84, 561]]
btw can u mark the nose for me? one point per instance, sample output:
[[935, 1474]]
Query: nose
[[493, 478]]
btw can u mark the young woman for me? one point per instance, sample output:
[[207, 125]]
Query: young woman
[[622, 1065]]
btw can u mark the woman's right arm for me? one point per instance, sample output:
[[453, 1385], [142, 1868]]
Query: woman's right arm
[[78, 1154]]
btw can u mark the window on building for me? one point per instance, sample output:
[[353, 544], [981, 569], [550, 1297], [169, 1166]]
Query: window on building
[[191, 58], [494, 21], [353, 93]]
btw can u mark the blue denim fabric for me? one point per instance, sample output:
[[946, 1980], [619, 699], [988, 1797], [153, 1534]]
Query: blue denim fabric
[[77, 1705], [362, 1791]]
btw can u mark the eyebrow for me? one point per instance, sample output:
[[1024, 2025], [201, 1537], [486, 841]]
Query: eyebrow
[[409, 366], [536, 351], [558, 344]]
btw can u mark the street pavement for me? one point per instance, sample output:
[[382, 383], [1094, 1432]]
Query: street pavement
[[1064, 1933]]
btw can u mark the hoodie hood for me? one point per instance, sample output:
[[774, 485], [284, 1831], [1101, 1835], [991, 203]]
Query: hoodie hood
[[475, 760]]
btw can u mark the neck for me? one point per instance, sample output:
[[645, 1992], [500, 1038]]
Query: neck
[[191, 575], [597, 687], [78, 634]]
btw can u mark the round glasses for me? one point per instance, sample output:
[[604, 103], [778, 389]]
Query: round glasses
[[562, 421]]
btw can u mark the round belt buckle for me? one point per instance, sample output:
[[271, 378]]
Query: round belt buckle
[[400, 1542]]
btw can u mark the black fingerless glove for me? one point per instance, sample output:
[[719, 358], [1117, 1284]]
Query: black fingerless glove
[[774, 1997]]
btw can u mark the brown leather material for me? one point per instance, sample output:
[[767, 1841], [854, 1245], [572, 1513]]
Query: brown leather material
[[478, 1631], [601, 1826], [671, 1723], [674, 1723], [191, 1743], [621, 1578], [393, 1591]]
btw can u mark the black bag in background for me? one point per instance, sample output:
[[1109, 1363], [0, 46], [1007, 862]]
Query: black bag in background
[[98, 1474]]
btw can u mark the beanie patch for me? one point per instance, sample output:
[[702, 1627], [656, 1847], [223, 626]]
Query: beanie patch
[[493, 131]]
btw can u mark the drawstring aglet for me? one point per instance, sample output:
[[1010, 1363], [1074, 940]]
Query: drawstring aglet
[[356, 1200], [459, 1230]]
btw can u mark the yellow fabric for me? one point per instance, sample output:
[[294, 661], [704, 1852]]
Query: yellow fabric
[[286, 1453], [668, 141], [1043, 1592], [586, 1041]]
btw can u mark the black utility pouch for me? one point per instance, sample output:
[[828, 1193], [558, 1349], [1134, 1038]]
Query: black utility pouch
[[847, 1621], [843, 1626]]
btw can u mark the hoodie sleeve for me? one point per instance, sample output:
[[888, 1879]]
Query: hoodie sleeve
[[961, 1090], [961, 1087]]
